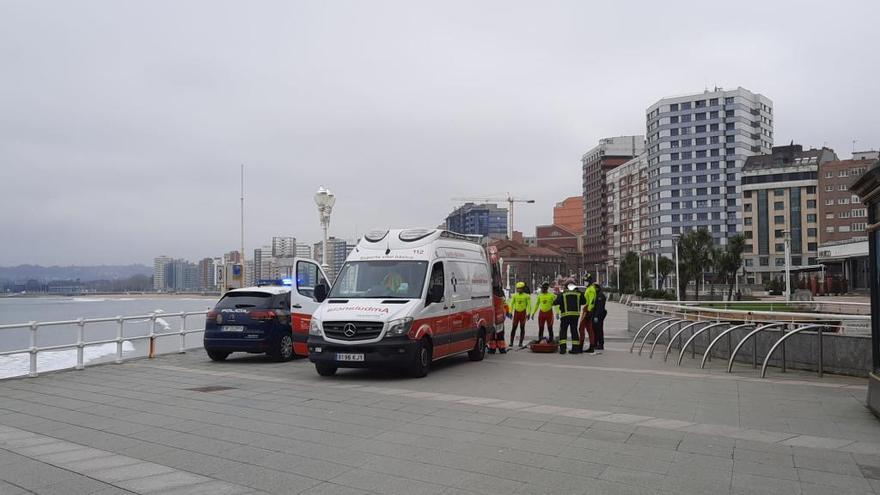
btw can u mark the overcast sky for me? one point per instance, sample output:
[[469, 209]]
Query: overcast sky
[[123, 124]]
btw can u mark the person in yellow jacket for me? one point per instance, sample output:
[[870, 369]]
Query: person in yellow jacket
[[521, 307], [544, 308], [586, 325]]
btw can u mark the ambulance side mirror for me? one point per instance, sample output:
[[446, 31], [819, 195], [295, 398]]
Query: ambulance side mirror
[[320, 292]]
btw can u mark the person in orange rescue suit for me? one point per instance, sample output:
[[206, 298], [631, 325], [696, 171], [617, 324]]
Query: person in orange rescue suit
[[521, 307], [570, 303], [586, 327], [496, 341], [544, 308]]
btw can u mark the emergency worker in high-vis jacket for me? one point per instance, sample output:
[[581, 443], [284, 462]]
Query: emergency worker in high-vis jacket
[[569, 303], [544, 308], [521, 307], [586, 327]]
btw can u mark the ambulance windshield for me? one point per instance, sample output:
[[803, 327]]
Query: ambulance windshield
[[380, 279]]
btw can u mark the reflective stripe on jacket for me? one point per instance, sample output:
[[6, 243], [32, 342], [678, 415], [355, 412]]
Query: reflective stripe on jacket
[[570, 303]]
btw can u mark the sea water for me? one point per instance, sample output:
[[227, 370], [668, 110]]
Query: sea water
[[43, 309]]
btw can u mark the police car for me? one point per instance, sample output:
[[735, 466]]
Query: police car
[[251, 319]]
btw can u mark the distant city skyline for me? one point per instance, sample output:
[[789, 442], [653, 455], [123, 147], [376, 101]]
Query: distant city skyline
[[125, 124]]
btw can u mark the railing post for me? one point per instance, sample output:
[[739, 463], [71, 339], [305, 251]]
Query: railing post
[[821, 368], [152, 351], [119, 334], [783, 346], [33, 351], [183, 333], [80, 344]]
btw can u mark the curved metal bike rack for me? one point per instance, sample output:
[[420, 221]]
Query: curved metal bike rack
[[655, 320], [716, 339], [747, 337], [657, 338], [669, 345], [665, 329], [783, 339], [694, 336]]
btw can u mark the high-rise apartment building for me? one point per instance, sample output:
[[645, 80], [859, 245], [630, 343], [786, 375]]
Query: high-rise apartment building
[[337, 251], [627, 207], [159, 264], [779, 202], [263, 264], [303, 251], [478, 219], [595, 164], [842, 214], [206, 274], [697, 146], [569, 214], [284, 247]]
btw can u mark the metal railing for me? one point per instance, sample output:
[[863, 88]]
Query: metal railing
[[155, 319], [786, 323]]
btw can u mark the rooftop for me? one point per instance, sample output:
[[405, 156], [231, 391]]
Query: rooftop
[[792, 155]]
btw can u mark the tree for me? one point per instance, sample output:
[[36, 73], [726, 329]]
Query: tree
[[629, 273], [665, 267], [695, 256], [727, 262]]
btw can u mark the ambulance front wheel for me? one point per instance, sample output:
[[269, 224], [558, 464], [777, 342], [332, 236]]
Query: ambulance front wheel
[[422, 363]]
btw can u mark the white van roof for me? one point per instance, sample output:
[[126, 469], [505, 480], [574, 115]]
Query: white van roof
[[416, 244]]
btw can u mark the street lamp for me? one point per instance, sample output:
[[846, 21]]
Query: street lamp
[[325, 200], [639, 288], [657, 270], [675, 240]]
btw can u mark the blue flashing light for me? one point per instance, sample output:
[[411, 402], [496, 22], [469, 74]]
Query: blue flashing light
[[287, 281]]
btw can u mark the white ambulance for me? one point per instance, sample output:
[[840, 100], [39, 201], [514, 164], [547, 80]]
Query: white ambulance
[[404, 298]]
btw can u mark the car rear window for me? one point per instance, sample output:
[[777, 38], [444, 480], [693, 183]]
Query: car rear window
[[256, 300]]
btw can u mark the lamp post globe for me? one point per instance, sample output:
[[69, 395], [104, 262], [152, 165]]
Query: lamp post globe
[[324, 200]]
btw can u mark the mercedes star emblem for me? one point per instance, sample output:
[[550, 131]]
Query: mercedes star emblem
[[349, 330]]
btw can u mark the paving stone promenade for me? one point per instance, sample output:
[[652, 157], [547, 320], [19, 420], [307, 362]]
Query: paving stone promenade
[[515, 424]]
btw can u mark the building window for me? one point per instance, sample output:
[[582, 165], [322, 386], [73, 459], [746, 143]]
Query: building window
[[797, 261], [843, 228], [779, 219], [747, 221], [811, 189], [829, 202], [779, 192], [811, 232], [829, 216], [811, 218], [765, 261], [748, 248], [778, 233], [859, 227], [843, 173], [778, 205], [811, 203], [747, 207], [843, 201], [829, 188], [780, 261], [829, 228], [749, 262], [811, 246], [842, 187], [713, 127], [748, 234], [854, 199]]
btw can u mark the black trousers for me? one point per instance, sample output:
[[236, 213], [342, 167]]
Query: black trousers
[[568, 325], [599, 328]]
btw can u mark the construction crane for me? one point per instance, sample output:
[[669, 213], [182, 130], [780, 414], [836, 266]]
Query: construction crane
[[510, 201]]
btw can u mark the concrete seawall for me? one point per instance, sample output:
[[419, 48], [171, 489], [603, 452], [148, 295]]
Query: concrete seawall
[[843, 354]]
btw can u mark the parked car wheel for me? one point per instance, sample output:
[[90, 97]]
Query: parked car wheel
[[325, 369], [282, 348], [217, 355]]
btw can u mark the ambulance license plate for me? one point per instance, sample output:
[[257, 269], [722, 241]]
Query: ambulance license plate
[[346, 356]]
